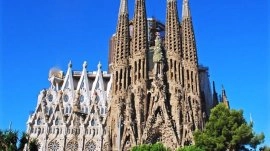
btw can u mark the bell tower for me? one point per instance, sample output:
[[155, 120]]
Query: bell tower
[[192, 112], [120, 75], [139, 65], [174, 64]]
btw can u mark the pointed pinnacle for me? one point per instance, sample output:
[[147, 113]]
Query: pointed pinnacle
[[123, 7], [85, 64], [70, 64], [185, 9], [99, 65]]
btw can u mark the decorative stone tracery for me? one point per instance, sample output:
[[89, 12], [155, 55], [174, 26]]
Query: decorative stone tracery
[[53, 146], [90, 146], [72, 145]]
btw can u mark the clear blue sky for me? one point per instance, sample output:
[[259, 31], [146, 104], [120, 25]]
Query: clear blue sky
[[36, 35]]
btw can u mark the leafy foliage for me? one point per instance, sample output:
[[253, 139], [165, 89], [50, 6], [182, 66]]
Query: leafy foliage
[[265, 148], [9, 139], [190, 148], [150, 147], [256, 140], [226, 129], [33, 145]]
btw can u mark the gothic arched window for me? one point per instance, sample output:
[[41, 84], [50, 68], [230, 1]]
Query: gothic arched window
[[66, 111], [38, 121], [93, 122], [82, 84], [56, 121], [102, 110], [50, 111]]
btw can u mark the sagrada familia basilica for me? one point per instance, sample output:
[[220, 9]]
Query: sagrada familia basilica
[[154, 90]]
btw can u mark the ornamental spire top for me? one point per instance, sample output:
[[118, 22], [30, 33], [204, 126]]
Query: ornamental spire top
[[123, 7], [185, 9]]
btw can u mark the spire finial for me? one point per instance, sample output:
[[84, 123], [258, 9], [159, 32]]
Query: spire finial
[[85, 64], [123, 7], [99, 65], [70, 64], [185, 9]]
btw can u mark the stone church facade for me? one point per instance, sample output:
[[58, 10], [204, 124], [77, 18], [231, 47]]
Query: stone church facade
[[70, 114], [155, 91]]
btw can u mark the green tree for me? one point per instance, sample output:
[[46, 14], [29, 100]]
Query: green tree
[[226, 129], [190, 148], [150, 147], [256, 140], [33, 145], [8, 140]]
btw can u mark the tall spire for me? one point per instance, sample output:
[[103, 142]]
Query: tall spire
[[120, 74], [185, 9], [139, 72]]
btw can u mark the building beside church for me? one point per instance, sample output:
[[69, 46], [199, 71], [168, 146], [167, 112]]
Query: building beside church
[[155, 90], [70, 114]]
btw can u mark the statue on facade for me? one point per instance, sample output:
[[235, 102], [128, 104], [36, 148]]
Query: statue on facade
[[158, 56]]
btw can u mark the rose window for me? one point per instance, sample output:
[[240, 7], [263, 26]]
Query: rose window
[[90, 146], [53, 146]]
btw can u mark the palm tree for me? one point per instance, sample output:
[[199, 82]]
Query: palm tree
[[8, 140], [33, 145], [2, 142]]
